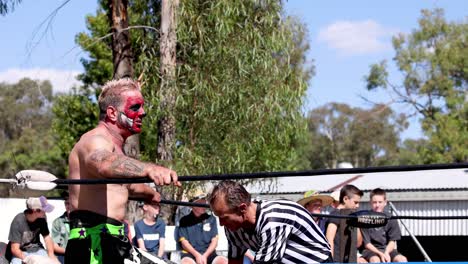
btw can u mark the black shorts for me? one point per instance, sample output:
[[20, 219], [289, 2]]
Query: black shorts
[[209, 259], [367, 254]]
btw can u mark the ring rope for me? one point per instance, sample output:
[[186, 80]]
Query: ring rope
[[204, 205], [256, 175], [448, 217]]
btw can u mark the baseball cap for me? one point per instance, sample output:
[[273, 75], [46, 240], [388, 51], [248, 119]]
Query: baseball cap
[[39, 203]]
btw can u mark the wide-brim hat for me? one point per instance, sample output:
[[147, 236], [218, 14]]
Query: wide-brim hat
[[314, 195], [197, 195]]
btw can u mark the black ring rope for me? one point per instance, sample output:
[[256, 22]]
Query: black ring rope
[[448, 217], [204, 205], [238, 176], [256, 175]]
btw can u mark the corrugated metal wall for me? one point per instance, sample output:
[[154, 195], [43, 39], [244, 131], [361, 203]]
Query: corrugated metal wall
[[432, 208], [419, 208]]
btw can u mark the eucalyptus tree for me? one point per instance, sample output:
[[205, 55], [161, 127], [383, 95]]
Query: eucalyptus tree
[[340, 133], [240, 90], [26, 140], [433, 60], [240, 81]]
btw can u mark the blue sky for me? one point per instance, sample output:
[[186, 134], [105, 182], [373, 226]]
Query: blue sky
[[345, 38]]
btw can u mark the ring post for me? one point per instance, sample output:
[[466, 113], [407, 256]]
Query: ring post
[[395, 211]]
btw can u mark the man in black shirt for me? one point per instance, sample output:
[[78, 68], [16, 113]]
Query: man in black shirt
[[25, 228]]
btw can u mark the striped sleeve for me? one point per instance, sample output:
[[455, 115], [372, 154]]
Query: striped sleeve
[[236, 249], [273, 246]]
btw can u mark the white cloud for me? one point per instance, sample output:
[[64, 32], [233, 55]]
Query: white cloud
[[357, 37], [62, 80]]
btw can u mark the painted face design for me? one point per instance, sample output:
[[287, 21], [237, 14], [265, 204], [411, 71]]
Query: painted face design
[[133, 113]]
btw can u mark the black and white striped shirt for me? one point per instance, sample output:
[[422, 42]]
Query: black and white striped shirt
[[284, 233]]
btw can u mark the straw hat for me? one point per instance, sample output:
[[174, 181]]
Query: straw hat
[[197, 195], [314, 195]]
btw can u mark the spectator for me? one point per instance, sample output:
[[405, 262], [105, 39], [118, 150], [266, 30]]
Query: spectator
[[198, 236], [345, 240], [3, 247], [25, 229], [150, 231], [380, 242], [314, 202], [277, 231], [61, 230], [336, 198]]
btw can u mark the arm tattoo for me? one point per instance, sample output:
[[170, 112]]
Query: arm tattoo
[[125, 167], [120, 166], [100, 156]]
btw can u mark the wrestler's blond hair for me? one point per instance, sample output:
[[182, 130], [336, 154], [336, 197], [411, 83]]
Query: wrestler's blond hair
[[111, 94]]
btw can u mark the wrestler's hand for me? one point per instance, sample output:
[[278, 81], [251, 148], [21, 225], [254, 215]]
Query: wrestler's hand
[[162, 176], [156, 198]]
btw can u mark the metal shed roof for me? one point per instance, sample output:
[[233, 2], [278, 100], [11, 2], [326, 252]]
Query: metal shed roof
[[433, 180]]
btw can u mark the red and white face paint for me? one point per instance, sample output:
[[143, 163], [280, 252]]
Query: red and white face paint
[[133, 113]]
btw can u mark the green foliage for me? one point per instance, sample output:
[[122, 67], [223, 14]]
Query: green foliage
[[26, 140], [238, 106], [241, 79], [7, 6], [433, 60], [409, 153], [75, 114], [99, 66], [340, 133], [378, 76], [240, 83]]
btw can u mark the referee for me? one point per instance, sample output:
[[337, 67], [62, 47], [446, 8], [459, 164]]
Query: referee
[[277, 231]]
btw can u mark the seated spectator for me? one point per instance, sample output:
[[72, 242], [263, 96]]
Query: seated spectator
[[3, 247], [336, 199], [25, 229], [345, 240], [61, 230], [150, 231], [314, 202], [198, 236], [380, 242]]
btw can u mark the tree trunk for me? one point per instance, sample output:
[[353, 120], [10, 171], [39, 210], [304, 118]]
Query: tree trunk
[[166, 123], [167, 45], [122, 57], [121, 46]]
